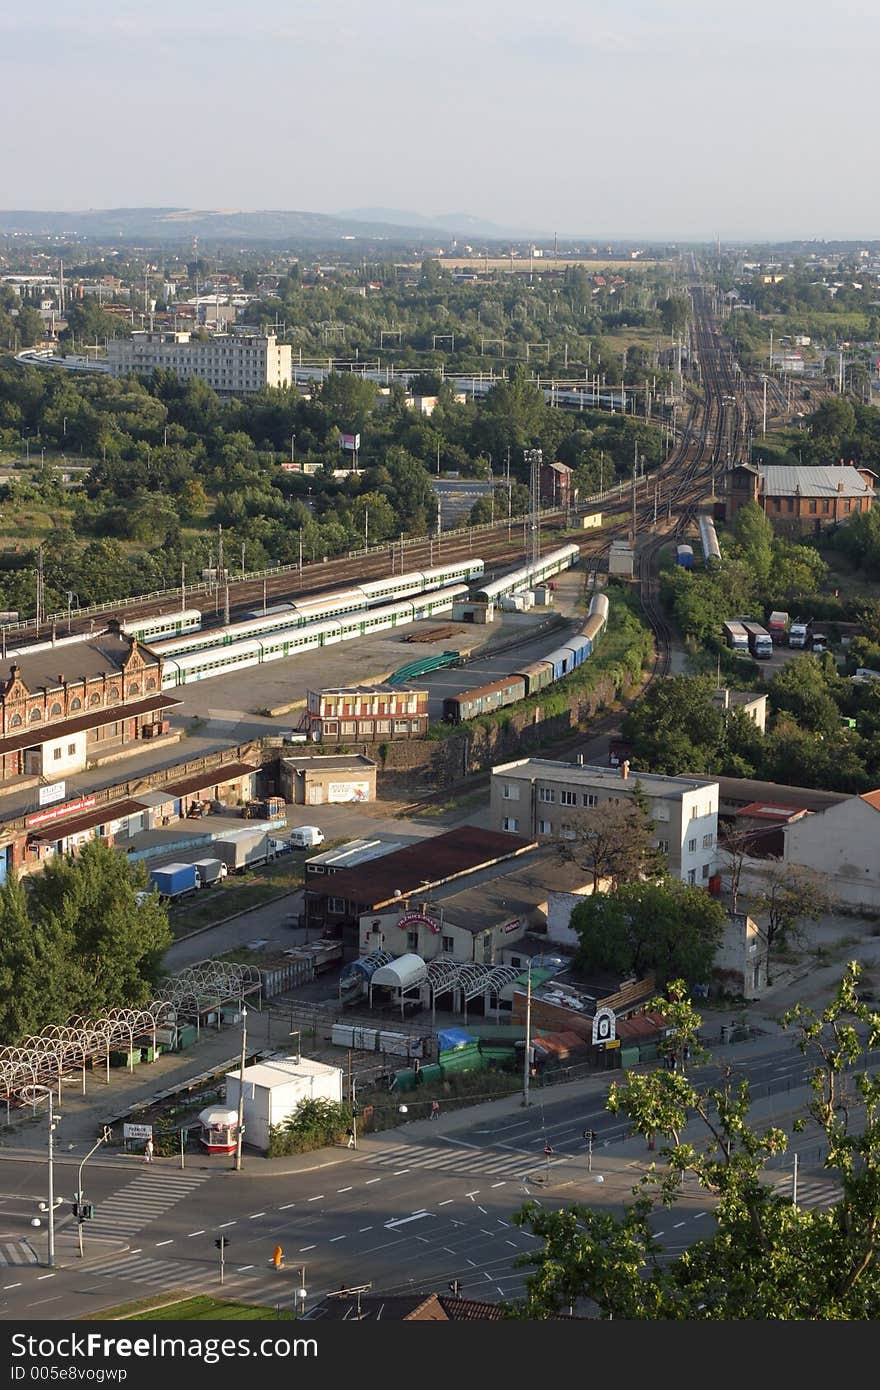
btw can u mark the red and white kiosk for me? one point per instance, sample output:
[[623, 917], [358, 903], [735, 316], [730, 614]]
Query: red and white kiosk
[[219, 1134]]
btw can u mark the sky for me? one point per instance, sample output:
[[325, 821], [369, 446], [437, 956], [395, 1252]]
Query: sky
[[637, 118]]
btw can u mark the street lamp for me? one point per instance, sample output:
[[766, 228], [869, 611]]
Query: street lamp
[[32, 1092], [80, 1194], [302, 1293], [527, 1060], [239, 1136]]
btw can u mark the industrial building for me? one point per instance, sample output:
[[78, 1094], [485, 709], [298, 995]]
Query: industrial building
[[327, 781], [801, 499], [366, 712]]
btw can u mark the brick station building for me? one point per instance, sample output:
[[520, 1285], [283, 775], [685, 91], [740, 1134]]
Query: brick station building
[[61, 705], [364, 713], [801, 499]]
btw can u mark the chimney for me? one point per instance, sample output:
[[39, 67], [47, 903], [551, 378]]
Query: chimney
[[624, 769]]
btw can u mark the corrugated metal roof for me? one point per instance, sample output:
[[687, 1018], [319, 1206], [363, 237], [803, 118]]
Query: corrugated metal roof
[[813, 480]]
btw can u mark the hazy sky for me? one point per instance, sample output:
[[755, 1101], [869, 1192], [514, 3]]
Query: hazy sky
[[628, 117]]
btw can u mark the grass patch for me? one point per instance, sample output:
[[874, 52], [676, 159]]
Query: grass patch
[[200, 1308], [238, 893]]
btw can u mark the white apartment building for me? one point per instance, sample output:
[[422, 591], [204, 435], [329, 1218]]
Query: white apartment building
[[542, 799], [231, 364]]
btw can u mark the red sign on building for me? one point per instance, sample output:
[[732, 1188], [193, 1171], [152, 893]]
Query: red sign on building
[[85, 803]]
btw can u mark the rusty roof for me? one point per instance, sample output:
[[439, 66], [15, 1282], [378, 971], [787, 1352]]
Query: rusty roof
[[62, 728], [418, 866]]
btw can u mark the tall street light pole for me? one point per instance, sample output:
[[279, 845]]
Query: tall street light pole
[[527, 1061], [47, 1091], [240, 1134]]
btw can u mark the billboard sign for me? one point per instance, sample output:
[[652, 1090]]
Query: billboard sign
[[351, 442], [85, 803], [412, 919], [348, 791], [604, 1027], [137, 1131], [50, 794]]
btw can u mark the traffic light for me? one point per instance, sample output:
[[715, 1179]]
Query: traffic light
[[86, 1210], [75, 1208], [221, 1242], [455, 1287]]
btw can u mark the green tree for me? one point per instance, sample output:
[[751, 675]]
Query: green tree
[[675, 728], [613, 842], [754, 536], [115, 943], [766, 1258], [669, 928], [34, 957]]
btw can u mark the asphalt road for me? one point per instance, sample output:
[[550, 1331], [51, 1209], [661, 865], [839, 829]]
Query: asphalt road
[[412, 1208]]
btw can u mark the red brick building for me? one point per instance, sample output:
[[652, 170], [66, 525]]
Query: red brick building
[[799, 500], [62, 704]]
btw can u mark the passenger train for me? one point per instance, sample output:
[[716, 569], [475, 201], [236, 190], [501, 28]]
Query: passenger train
[[168, 626], [534, 677], [709, 542], [329, 605], [235, 653], [529, 575]]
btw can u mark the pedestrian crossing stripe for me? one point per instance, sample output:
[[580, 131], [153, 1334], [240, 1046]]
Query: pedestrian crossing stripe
[[17, 1252], [171, 1274], [487, 1161], [810, 1193], [141, 1201]]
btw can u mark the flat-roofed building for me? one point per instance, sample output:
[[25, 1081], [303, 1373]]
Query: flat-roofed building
[[544, 799], [366, 713], [231, 364]]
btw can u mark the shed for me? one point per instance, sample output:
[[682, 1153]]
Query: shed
[[273, 1090]]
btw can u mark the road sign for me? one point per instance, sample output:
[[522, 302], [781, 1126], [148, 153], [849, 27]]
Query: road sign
[[137, 1131], [604, 1026], [547, 1149], [613, 1042]]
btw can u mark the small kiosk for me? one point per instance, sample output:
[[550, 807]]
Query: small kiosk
[[219, 1134]]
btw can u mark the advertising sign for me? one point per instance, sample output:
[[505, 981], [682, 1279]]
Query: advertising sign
[[52, 793], [351, 442], [85, 803], [348, 791], [512, 926], [137, 1131], [410, 919], [604, 1027]]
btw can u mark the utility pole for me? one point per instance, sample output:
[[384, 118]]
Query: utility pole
[[240, 1134], [39, 617], [635, 469], [764, 416], [226, 602], [527, 1060], [183, 586]]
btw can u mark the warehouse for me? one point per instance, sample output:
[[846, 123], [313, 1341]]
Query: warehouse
[[328, 781]]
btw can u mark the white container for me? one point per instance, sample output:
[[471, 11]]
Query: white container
[[273, 1090]]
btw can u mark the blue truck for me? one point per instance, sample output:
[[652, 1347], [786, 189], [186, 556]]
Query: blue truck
[[175, 880]]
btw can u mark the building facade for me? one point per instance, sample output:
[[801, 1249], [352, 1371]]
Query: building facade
[[235, 364], [543, 799], [801, 499], [62, 706], [367, 712], [328, 781], [840, 844]]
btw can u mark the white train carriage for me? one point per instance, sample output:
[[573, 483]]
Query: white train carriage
[[164, 625]]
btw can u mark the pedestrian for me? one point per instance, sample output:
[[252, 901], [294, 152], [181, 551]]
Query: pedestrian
[[435, 1109], [277, 1257], [349, 1134], [148, 1151]]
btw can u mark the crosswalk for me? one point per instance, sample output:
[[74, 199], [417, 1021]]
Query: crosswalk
[[138, 1203], [189, 1277], [17, 1252], [811, 1192], [439, 1157]]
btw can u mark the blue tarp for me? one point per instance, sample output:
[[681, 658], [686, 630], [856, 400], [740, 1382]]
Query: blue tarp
[[453, 1037]]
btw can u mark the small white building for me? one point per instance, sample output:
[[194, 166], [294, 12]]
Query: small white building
[[841, 843], [273, 1090]]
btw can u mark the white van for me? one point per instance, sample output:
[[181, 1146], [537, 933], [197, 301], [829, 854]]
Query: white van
[[306, 837]]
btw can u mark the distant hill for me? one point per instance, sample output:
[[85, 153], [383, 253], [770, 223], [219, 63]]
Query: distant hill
[[175, 224], [457, 223]]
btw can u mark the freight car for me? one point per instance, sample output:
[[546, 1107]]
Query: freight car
[[528, 680]]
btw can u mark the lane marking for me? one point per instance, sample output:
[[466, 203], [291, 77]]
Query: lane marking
[[364, 1228], [11, 1286], [699, 1214], [472, 1263], [255, 1216], [241, 1268], [343, 1189], [45, 1276], [304, 1248], [316, 1199], [677, 1224], [195, 1233], [287, 1206], [164, 1242], [499, 1184], [447, 1203], [514, 1244], [405, 1220], [225, 1223], [335, 1238], [448, 1251], [472, 1195], [139, 1251], [482, 1209], [371, 1180], [398, 1172]]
